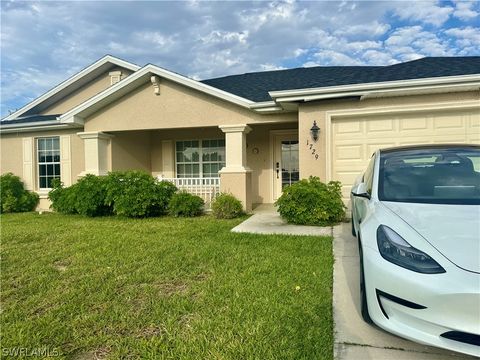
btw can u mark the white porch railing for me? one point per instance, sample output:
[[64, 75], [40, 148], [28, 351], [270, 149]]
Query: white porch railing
[[206, 188]]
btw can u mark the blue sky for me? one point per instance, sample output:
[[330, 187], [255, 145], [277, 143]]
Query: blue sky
[[43, 43]]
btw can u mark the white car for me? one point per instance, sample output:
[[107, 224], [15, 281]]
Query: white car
[[416, 215]]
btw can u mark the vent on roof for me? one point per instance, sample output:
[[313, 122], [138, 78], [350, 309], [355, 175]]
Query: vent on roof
[[115, 77]]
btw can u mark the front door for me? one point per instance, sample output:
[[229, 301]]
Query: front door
[[285, 162]]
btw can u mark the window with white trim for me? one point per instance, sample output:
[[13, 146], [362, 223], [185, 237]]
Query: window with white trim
[[48, 159], [199, 158]]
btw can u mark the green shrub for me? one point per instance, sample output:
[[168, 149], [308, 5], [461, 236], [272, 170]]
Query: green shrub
[[137, 194], [185, 204], [129, 193], [226, 206], [89, 196], [311, 202], [62, 198], [14, 197]]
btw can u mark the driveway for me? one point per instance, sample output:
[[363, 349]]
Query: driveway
[[354, 339]]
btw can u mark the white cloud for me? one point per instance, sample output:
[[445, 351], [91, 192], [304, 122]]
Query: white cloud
[[466, 37], [375, 57], [464, 10], [224, 37], [403, 36], [373, 28], [299, 52], [210, 39], [413, 42], [270, 67], [332, 57], [428, 12]]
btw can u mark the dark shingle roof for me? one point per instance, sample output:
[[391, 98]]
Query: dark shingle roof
[[30, 119], [255, 86]]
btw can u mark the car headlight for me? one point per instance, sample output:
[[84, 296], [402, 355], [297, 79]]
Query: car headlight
[[395, 249]]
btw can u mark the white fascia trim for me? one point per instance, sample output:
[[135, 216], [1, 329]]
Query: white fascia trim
[[30, 124], [29, 128], [420, 90], [360, 89], [71, 80], [73, 115], [199, 86], [266, 107]]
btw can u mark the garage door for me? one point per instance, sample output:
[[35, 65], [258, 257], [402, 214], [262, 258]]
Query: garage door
[[354, 139]]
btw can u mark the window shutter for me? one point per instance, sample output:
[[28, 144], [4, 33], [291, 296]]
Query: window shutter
[[65, 160], [28, 171]]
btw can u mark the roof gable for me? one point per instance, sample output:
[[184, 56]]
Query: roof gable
[[141, 76], [71, 85]]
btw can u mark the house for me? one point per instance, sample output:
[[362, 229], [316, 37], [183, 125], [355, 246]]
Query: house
[[249, 134]]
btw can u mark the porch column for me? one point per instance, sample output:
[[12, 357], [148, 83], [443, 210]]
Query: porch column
[[96, 145], [236, 177]]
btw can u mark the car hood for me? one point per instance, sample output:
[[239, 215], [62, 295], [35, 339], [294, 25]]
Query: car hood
[[454, 230]]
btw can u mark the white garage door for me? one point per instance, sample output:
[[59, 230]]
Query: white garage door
[[355, 139]]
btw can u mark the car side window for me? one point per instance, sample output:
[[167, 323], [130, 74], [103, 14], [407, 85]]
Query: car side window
[[368, 176]]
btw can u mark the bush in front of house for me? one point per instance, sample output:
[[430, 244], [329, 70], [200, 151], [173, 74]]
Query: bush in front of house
[[62, 198], [184, 204], [137, 194], [89, 196], [14, 197], [86, 197], [226, 206], [311, 202]]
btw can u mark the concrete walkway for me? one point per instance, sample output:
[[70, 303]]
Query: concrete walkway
[[354, 339], [266, 220]]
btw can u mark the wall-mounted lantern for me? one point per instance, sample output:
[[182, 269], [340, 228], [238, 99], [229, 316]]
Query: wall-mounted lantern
[[314, 131]]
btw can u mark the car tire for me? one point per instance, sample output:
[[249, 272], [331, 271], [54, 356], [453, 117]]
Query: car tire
[[363, 294]]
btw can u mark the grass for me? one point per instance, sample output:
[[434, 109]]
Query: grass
[[162, 288]]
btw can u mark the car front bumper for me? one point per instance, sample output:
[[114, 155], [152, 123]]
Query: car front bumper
[[427, 308]]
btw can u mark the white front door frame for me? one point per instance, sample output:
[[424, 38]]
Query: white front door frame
[[276, 136]]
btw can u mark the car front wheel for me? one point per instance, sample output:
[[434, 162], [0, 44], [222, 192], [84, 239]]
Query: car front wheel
[[363, 293]]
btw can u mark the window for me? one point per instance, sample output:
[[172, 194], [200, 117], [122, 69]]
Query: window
[[48, 150], [433, 175], [199, 158], [290, 171], [368, 176]]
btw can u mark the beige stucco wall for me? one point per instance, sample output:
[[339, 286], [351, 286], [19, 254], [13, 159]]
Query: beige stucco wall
[[11, 158], [176, 107], [85, 92], [308, 112], [261, 163], [131, 150]]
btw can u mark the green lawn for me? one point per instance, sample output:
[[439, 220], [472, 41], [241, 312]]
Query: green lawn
[[162, 288]]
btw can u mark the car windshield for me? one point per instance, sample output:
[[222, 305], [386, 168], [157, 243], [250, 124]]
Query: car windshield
[[448, 175]]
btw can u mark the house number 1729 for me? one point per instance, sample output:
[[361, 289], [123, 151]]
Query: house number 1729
[[312, 149]]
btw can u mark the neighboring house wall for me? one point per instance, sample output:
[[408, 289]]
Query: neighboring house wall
[[176, 107], [348, 139], [85, 92]]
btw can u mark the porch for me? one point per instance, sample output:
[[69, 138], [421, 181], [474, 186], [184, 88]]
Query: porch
[[205, 187], [244, 160]]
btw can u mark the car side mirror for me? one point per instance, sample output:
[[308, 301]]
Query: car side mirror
[[361, 191]]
